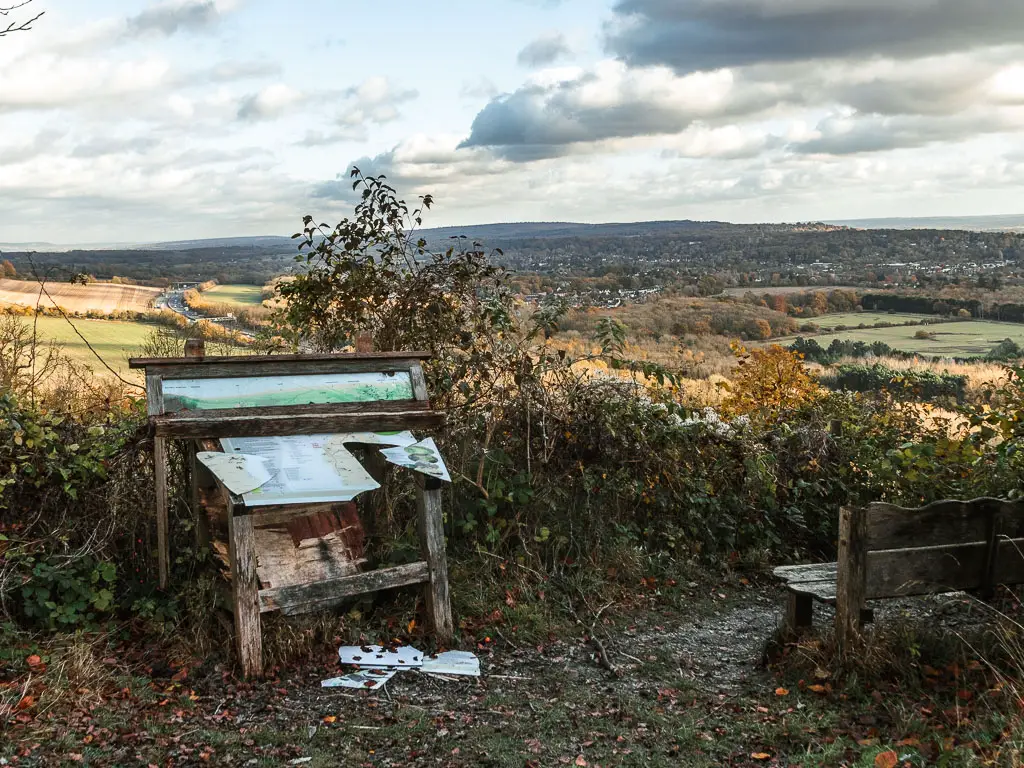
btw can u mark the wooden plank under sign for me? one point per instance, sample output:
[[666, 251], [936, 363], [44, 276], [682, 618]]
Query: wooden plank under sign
[[324, 594], [282, 564], [276, 426]]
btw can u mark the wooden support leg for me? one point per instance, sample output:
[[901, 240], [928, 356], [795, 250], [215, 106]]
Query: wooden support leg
[[799, 611], [431, 529], [163, 551], [851, 576], [245, 591], [195, 473], [373, 504]]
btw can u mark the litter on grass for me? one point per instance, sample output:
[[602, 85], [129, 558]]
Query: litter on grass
[[452, 663], [377, 656], [381, 664], [369, 679]]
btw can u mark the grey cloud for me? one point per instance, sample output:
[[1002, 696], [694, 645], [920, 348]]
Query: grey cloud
[[168, 18], [538, 122], [691, 35], [544, 51]]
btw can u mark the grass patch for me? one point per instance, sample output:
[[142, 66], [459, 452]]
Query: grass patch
[[959, 338], [853, 319], [245, 295], [114, 340]]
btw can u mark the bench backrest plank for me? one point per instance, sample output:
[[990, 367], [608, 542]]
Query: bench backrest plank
[[940, 523], [928, 570]]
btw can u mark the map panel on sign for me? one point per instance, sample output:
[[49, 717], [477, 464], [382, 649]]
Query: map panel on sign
[[270, 391], [307, 469]]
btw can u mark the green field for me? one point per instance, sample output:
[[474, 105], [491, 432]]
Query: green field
[[961, 338], [853, 319], [114, 340], [245, 295]]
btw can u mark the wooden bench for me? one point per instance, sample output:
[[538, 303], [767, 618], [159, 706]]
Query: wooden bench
[[886, 551]]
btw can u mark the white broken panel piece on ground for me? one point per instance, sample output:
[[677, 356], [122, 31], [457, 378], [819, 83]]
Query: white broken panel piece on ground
[[376, 656], [452, 663], [367, 679], [240, 472]]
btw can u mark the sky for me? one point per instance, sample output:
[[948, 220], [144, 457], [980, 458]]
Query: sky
[[140, 121]]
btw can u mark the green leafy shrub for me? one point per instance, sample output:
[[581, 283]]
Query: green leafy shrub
[[923, 385], [75, 488], [68, 594]]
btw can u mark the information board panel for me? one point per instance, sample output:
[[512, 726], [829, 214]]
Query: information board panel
[[210, 394]]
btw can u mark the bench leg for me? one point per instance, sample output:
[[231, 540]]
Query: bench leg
[[799, 611]]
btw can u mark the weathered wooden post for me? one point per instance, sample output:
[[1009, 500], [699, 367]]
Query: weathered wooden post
[[851, 576]]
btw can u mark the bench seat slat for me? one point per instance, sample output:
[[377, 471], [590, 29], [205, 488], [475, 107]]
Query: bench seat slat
[[813, 572], [823, 591]]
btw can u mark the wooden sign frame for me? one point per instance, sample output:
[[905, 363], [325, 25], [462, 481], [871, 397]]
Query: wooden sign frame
[[249, 601]]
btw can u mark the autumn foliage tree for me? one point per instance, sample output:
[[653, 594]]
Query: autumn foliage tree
[[769, 382]]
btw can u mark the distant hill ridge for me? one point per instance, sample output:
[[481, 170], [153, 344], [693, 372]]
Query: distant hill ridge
[[555, 229]]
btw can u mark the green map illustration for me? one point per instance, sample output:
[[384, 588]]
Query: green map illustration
[[265, 392]]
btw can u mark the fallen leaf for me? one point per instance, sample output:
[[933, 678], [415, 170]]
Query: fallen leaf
[[580, 760], [330, 718], [410, 626], [781, 691], [887, 759], [817, 688], [760, 755], [34, 660], [822, 674]]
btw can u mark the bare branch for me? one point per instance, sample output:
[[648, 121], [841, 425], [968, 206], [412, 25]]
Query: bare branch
[[16, 26]]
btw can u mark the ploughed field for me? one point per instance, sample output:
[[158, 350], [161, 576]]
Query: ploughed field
[[97, 297]]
